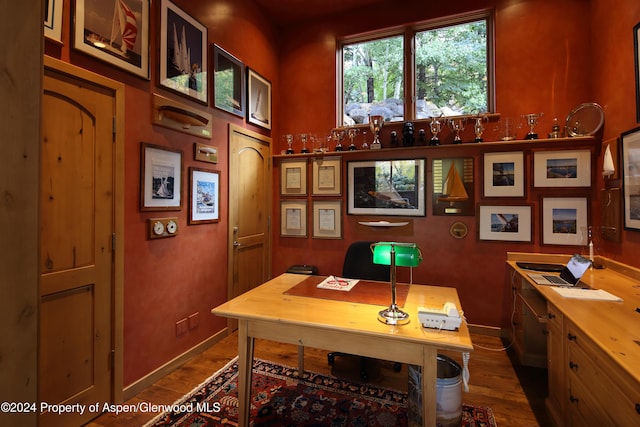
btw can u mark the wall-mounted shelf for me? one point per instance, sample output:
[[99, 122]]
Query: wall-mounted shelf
[[519, 144]]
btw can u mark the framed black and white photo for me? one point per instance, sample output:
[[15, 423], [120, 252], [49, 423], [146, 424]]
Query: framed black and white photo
[[327, 173], [259, 99], [505, 223], [327, 219], [562, 168], [228, 82], [204, 196], [631, 178], [53, 19], [293, 218], [115, 31], [504, 174], [564, 221], [160, 178], [183, 53], [386, 187]]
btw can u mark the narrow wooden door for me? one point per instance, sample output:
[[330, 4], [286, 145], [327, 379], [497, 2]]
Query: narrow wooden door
[[249, 210], [76, 255]]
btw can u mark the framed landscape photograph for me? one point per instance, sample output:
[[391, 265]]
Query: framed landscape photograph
[[228, 82], [53, 19], [504, 174], [115, 31], [160, 178], [562, 168], [327, 219], [386, 187], [293, 218], [636, 55], [505, 223], [183, 53], [204, 196], [259, 100], [631, 178], [564, 221]]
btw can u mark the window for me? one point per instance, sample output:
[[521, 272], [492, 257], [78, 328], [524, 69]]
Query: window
[[450, 73]]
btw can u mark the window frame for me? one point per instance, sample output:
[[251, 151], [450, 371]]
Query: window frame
[[409, 72]]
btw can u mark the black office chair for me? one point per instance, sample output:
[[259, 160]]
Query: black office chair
[[358, 264]]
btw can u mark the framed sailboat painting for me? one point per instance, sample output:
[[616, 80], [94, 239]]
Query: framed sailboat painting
[[453, 187], [183, 53], [115, 31]]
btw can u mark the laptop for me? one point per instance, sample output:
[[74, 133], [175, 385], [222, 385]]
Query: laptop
[[569, 276]]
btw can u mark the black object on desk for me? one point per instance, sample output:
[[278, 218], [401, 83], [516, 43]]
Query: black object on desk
[[537, 266]]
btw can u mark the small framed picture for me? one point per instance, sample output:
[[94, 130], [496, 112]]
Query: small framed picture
[[183, 53], [636, 55], [259, 100], [293, 218], [631, 178], [204, 196], [53, 19], [115, 31], [160, 178], [504, 174], [562, 168], [293, 177], [505, 223], [564, 221], [453, 186], [327, 219], [228, 82], [327, 173]]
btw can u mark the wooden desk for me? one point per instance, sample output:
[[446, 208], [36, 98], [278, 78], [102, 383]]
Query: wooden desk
[[267, 312]]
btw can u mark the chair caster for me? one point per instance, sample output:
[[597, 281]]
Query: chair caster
[[397, 367], [331, 359]]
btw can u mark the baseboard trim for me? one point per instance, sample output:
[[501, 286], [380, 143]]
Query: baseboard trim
[[492, 331], [144, 382]]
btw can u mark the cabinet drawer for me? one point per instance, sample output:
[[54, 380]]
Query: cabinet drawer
[[582, 406], [596, 372]]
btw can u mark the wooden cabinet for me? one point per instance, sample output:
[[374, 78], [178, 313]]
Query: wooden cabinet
[[555, 402], [529, 324], [597, 389], [592, 347]]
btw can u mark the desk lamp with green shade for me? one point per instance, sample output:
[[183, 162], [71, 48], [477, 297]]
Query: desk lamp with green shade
[[395, 254]]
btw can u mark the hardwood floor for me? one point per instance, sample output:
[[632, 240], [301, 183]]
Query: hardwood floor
[[515, 394]]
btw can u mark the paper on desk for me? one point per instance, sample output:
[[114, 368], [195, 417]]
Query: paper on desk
[[338, 283], [586, 294]]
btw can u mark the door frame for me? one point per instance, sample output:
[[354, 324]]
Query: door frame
[[230, 247], [117, 89]]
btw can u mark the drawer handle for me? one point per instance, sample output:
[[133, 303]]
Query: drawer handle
[[573, 366], [551, 316], [638, 408], [574, 399], [571, 337]]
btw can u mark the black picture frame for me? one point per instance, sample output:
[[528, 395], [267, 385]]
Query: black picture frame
[[228, 82], [258, 99], [630, 141], [183, 59]]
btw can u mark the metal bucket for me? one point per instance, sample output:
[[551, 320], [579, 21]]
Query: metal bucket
[[448, 392]]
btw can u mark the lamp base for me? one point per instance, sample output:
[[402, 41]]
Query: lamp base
[[393, 316]]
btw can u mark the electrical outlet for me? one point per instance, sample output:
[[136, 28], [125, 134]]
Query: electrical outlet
[[181, 327], [194, 319]]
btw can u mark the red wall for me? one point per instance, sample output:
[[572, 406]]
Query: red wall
[[169, 279], [549, 58]]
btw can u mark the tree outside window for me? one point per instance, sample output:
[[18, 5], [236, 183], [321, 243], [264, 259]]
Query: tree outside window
[[451, 74]]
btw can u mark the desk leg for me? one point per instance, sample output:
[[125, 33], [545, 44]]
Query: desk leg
[[300, 360], [429, 386], [245, 367]]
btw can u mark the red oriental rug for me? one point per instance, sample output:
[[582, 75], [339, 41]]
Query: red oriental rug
[[280, 398]]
